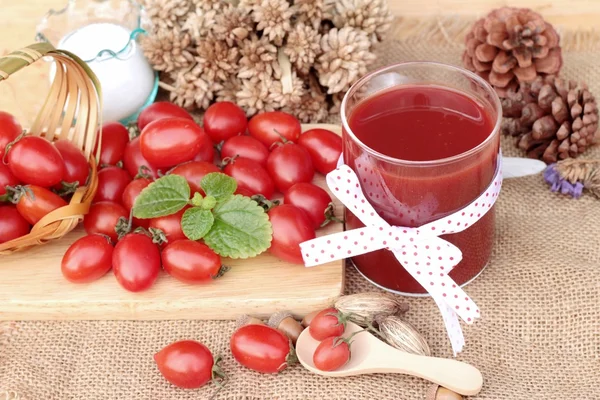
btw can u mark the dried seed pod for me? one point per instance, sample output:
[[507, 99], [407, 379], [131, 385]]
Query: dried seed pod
[[285, 322], [308, 318], [365, 307], [402, 335], [247, 320], [436, 392]]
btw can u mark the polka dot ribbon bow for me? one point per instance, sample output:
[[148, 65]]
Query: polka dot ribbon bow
[[426, 256]]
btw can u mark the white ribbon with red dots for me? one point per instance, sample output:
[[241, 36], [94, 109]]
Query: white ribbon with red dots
[[427, 257]]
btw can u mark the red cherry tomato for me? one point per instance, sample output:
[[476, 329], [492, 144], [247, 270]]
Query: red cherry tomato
[[267, 127], [130, 194], [289, 164], [87, 259], [133, 159], [310, 198], [112, 182], [330, 356], [170, 141], [260, 348], [36, 202], [136, 262], [251, 177], [190, 262], [224, 120], [193, 172], [6, 178], [326, 324], [207, 151], [33, 160], [161, 110], [245, 147], [324, 147], [170, 225], [9, 130], [186, 364], [77, 168], [291, 226], [114, 139], [12, 224], [103, 217]]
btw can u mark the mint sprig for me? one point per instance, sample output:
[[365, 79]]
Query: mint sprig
[[241, 229], [231, 225], [164, 196]]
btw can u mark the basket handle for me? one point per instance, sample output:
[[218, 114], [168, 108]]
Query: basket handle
[[19, 59]]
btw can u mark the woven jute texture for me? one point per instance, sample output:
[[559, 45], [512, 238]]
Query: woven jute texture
[[538, 339]]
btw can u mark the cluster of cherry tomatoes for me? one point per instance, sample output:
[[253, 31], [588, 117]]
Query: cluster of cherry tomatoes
[[36, 177], [262, 348], [268, 156], [265, 155]]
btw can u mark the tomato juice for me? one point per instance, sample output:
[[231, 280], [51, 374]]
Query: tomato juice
[[422, 152]]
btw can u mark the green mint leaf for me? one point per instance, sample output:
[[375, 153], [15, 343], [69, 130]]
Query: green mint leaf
[[165, 196], [241, 230], [197, 199], [218, 185], [209, 203], [196, 222]]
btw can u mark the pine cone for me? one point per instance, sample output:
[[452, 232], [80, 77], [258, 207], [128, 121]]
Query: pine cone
[[345, 58], [258, 58], [273, 18], [253, 95], [510, 46], [200, 23], [232, 25], [309, 12], [303, 46], [560, 123], [312, 107], [217, 60], [167, 50], [371, 16], [336, 103]]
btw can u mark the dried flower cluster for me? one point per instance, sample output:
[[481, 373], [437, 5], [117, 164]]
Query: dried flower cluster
[[298, 55]]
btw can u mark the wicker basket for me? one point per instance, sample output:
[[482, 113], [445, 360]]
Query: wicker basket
[[71, 111]]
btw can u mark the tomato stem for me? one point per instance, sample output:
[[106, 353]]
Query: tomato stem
[[133, 130], [158, 236], [67, 188], [265, 203], [219, 146], [283, 140], [15, 193], [11, 144], [339, 340], [228, 160], [222, 271], [219, 378], [5, 198], [143, 172], [124, 225], [330, 216]]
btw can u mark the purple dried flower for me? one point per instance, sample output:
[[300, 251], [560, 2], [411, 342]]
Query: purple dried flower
[[553, 178]]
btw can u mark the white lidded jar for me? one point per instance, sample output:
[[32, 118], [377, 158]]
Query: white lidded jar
[[103, 33]]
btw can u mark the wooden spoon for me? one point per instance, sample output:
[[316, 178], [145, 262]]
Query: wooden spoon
[[369, 355]]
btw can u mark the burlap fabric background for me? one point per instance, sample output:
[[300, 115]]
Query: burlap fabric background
[[539, 337]]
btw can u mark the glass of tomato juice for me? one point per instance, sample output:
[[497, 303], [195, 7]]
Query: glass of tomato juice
[[423, 139]]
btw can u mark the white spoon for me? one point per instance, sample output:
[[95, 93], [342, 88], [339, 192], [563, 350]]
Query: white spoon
[[370, 355]]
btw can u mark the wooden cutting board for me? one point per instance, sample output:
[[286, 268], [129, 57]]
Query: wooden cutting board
[[33, 288]]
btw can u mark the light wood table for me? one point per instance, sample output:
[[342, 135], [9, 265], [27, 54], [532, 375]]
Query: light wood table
[[23, 93]]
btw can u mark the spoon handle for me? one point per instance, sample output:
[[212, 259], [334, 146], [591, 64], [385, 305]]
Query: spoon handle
[[455, 375]]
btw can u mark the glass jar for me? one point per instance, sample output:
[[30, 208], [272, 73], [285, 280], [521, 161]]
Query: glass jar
[[103, 33], [414, 191]]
